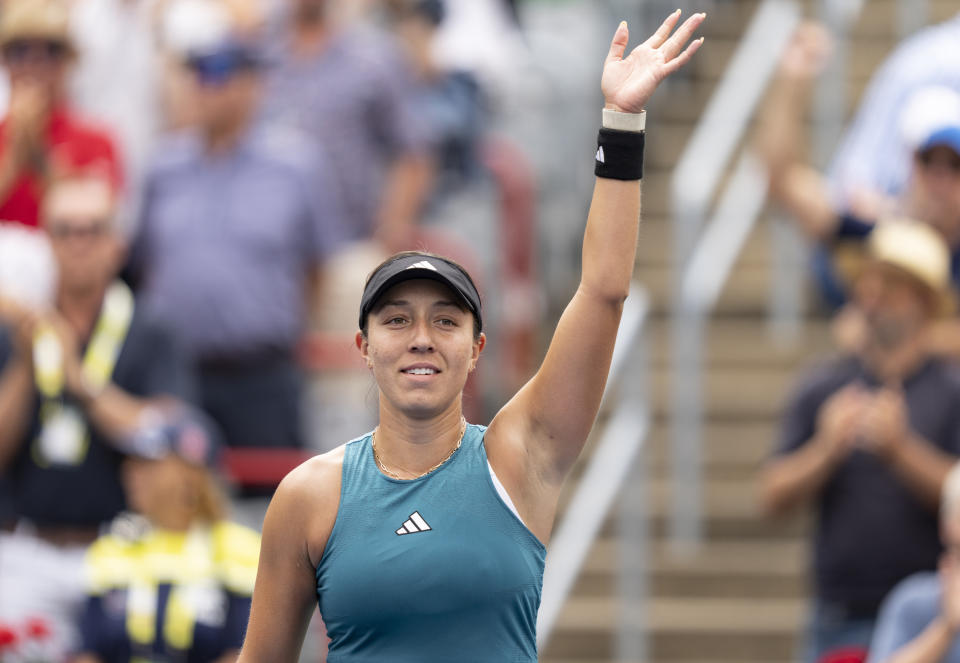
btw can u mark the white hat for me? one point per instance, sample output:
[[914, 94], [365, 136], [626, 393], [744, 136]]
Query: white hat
[[931, 111], [28, 270]]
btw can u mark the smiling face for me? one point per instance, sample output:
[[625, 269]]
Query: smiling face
[[420, 345]]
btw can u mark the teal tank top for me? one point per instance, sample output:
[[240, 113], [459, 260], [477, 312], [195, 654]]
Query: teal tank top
[[435, 569]]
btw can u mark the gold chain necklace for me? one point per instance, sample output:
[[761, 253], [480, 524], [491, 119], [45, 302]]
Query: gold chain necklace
[[394, 475]]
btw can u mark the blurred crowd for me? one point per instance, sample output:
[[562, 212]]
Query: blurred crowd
[[187, 187], [870, 438]]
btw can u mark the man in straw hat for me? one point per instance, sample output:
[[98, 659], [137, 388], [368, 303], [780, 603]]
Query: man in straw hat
[[40, 136], [929, 132], [868, 438]]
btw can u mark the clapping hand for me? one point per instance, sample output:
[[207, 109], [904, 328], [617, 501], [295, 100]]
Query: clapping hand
[[885, 424], [628, 82], [839, 417]]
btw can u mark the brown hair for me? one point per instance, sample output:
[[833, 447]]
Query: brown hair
[[210, 501]]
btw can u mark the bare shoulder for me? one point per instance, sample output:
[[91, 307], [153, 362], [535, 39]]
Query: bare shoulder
[[306, 501]]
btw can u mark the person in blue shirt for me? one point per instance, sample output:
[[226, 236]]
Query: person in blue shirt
[[424, 540], [920, 619]]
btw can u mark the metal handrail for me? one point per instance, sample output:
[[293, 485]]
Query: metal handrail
[[911, 16], [704, 268], [608, 468]]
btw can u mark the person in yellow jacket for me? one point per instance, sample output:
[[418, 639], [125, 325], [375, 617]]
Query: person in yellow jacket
[[172, 582]]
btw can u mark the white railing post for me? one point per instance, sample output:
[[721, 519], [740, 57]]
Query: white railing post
[[698, 172]]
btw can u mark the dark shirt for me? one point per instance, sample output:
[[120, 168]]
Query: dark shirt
[[872, 530], [89, 493]]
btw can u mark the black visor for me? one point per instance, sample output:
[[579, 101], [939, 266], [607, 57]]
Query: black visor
[[420, 266]]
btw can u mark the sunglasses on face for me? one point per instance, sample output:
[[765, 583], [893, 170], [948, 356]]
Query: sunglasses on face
[[930, 158], [21, 50], [218, 68], [62, 230]]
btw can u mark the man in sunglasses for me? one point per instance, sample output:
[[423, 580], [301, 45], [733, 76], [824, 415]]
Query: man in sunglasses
[[40, 135], [75, 383], [235, 224]]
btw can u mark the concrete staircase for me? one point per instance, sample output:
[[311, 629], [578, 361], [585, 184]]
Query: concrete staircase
[[741, 597]]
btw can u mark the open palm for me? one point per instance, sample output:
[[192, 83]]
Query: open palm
[[628, 82]]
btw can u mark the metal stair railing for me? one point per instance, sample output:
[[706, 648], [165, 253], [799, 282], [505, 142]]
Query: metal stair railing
[[703, 264], [613, 457]]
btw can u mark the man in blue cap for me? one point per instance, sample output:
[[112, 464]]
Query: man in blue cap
[[235, 225]]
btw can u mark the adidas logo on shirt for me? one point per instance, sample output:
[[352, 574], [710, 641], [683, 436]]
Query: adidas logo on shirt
[[423, 264], [414, 525]]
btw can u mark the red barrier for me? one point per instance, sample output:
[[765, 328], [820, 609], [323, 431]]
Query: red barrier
[[261, 466]]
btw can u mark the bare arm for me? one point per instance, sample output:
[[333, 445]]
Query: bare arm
[[16, 380], [922, 467], [886, 432], [405, 191], [928, 647], [114, 412], [295, 532], [537, 436], [799, 187], [797, 478]]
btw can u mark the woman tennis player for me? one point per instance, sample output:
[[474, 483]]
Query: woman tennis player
[[424, 540]]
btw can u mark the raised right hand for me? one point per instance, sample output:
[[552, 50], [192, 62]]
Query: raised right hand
[[808, 52], [628, 82], [26, 119]]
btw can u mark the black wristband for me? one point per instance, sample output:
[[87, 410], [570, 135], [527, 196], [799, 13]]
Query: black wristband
[[619, 155]]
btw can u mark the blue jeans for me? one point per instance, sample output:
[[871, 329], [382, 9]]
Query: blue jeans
[[832, 628]]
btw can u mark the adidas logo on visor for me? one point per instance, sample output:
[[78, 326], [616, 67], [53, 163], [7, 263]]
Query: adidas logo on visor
[[423, 264]]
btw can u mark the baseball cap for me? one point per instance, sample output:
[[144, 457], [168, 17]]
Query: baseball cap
[[931, 118], [35, 19], [415, 265], [184, 432], [947, 137]]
